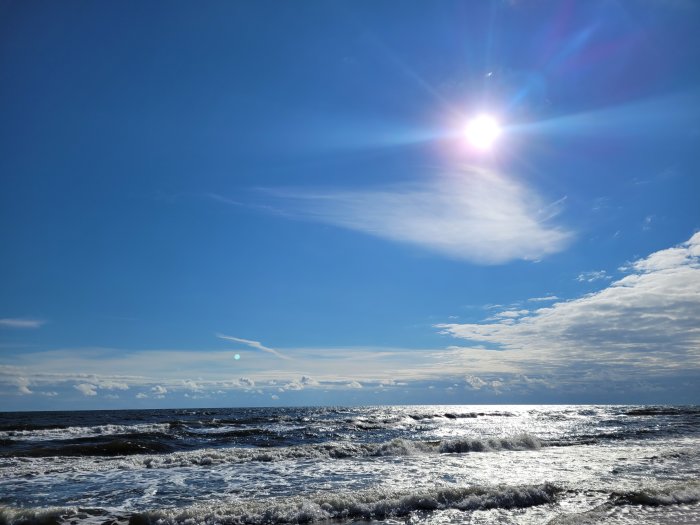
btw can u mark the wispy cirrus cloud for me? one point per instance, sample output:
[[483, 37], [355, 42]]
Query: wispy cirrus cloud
[[476, 215], [19, 322], [253, 344]]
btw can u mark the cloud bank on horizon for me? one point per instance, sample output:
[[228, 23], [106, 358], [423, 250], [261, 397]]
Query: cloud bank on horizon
[[640, 332]]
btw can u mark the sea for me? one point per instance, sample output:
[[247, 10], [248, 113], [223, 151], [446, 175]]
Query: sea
[[482, 465]]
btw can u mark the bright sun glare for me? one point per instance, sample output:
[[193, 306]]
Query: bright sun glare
[[482, 131]]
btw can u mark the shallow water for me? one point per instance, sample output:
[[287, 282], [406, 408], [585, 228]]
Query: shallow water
[[409, 464]]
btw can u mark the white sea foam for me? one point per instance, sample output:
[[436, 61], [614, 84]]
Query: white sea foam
[[366, 504], [379, 503], [675, 494], [217, 456]]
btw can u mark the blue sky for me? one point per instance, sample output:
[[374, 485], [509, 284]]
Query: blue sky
[[290, 183]]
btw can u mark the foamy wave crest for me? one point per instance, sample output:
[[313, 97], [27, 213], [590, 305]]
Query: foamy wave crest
[[395, 447], [79, 432], [13, 516], [367, 505], [677, 494], [519, 442], [219, 456], [680, 494]]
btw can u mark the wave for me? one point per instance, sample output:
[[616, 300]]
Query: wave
[[663, 411], [128, 456], [684, 493], [395, 447], [123, 445], [64, 433], [676, 494], [365, 504], [52, 516]]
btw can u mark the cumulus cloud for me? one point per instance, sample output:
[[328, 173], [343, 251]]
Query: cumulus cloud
[[475, 382], [253, 344], [300, 384], [22, 384], [492, 385], [21, 323], [649, 320], [86, 389], [589, 277], [191, 385], [476, 215], [159, 390], [246, 382], [354, 384]]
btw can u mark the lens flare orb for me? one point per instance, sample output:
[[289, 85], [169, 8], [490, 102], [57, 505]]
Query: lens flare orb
[[482, 132]]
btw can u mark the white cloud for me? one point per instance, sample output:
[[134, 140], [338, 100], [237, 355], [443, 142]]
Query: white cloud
[[648, 320], [86, 389], [476, 215], [159, 390], [491, 385], [191, 385], [253, 344], [475, 382], [308, 381], [246, 382], [112, 385], [589, 277], [511, 314], [22, 384], [300, 384], [274, 397], [354, 384], [543, 299], [21, 323], [141, 395]]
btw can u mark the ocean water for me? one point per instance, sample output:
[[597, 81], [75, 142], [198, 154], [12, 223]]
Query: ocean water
[[390, 465]]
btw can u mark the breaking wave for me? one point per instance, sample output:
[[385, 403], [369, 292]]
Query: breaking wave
[[366, 504], [130, 457], [677, 494]]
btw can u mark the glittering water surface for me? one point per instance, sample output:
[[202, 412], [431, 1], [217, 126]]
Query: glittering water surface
[[428, 464]]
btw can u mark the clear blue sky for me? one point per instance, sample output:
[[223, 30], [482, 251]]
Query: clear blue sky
[[290, 182]]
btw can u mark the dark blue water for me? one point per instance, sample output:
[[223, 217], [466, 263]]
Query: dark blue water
[[458, 464]]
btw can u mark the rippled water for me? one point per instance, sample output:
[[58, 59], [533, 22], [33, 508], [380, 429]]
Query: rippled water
[[428, 464]]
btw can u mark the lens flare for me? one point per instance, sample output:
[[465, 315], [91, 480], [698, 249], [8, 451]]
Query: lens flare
[[482, 132]]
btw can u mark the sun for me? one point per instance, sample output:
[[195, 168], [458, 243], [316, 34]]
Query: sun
[[482, 132]]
